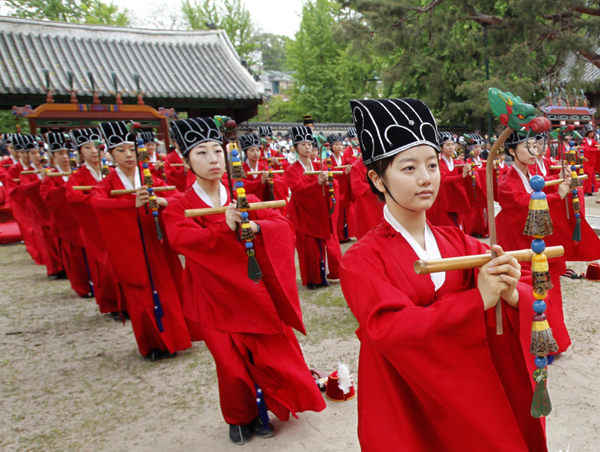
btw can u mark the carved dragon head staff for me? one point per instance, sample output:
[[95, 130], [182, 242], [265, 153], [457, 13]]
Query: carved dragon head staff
[[512, 112]]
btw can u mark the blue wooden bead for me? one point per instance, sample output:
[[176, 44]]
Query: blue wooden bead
[[235, 159], [539, 306], [244, 215], [145, 165], [538, 246], [235, 153], [541, 362], [573, 168], [140, 142], [538, 195], [249, 245], [577, 216], [239, 184], [155, 213], [537, 183], [574, 192]]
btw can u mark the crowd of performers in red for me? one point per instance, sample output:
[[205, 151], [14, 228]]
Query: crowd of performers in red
[[116, 230]]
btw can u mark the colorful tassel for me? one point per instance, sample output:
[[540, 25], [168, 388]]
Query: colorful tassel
[[246, 234], [542, 340], [576, 206], [332, 200], [153, 204]]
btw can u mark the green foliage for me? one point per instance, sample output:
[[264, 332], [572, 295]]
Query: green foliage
[[280, 110], [436, 50], [8, 122], [230, 16], [272, 48], [76, 11], [326, 71]]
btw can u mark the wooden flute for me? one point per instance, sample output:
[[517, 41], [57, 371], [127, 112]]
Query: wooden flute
[[217, 210]]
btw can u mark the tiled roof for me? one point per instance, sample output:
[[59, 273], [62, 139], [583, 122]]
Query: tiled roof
[[199, 66], [575, 64]]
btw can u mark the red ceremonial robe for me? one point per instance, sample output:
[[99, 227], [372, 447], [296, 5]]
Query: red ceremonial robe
[[514, 201], [254, 186], [345, 226], [452, 202], [105, 287], [237, 316], [445, 381], [590, 152], [476, 222], [18, 201], [126, 229], [278, 162], [319, 252], [352, 154], [368, 209], [65, 227], [39, 218]]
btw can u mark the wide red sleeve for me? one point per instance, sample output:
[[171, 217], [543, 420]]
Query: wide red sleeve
[[308, 209], [211, 246], [118, 222]]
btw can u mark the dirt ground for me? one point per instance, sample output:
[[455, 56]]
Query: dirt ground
[[72, 379]]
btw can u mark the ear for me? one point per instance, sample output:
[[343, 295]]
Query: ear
[[372, 174]]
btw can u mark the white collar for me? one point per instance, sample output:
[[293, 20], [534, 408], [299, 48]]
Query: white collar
[[125, 179], [92, 171], [14, 160], [541, 166], [337, 162], [65, 178], [152, 158], [432, 251], [253, 169], [204, 196], [179, 154], [450, 163], [311, 165], [528, 188], [501, 164]]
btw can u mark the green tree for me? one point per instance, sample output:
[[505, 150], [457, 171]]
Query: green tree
[[272, 48], [436, 50], [77, 11], [326, 72], [8, 122], [229, 15]]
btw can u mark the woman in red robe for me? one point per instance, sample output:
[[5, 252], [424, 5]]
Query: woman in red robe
[[18, 198], [368, 208], [514, 196], [452, 203], [258, 184], [63, 223], [590, 153], [247, 325], [147, 270], [38, 214], [436, 375], [476, 220], [88, 175], [339, 162], [309, 210]]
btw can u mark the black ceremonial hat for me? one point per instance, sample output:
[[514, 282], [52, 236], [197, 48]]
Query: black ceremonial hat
[[8, 138], [116, 133], [301, 134], [388, 126], [148, 137], [56, 141], [307, 119], [25, 142], [265, 132], [85, 136], [516, 138], [445, 136], [541, 136], [351, 132], [332, 139], [189, 133], [248, 141]]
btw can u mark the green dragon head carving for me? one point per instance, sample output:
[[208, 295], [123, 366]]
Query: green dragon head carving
[[512, 112]]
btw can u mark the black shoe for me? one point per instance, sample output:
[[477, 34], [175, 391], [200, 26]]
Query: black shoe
[[60, 275], [325, 284], [311, 286], [157, 354], [87, 295], [116, 316], [261, 430], [240, 434]]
